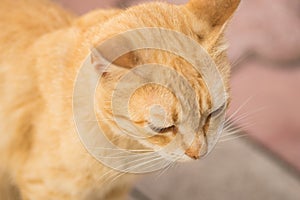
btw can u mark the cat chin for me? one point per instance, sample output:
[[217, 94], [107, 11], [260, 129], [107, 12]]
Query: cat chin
[[182, 159], [185, 159]]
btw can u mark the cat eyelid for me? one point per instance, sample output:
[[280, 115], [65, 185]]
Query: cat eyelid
[[217, 111], [161, 129]]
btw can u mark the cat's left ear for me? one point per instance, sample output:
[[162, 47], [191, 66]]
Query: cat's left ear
[[215, 13], [102, 65]]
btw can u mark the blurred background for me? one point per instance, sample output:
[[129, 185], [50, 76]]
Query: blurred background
[[262, 161]]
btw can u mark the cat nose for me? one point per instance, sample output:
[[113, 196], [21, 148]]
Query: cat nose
[[192, 153], [194, 150], [197, 148]]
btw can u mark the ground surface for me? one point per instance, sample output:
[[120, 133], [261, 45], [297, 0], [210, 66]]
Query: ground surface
[[236, 170]]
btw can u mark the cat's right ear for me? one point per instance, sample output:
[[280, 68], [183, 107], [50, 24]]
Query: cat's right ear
[[102, 65], [98, 61]]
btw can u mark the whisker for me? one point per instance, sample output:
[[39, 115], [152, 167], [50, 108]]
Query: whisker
[[235, 129], [239, 108], [122, 156], [136, 166], [141, 159], [227, 131], [166, 168], [245, 115], [133, 150], [232, 138], [231, 128], [123, 173], [114, 170], [231, 134], [163, 171]]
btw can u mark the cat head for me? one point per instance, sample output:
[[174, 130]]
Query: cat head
[[153, 108]]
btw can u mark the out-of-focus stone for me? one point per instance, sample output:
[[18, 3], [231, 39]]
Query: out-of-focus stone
[[270, 28], [236, 170], [272, 114]]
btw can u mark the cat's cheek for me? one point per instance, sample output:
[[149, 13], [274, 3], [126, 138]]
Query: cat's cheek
[[160, 140]]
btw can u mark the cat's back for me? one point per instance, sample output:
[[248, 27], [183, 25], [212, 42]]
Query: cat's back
[[22, 24], [36, 38]]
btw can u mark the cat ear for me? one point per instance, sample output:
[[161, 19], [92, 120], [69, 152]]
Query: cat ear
[[102, 65], [215, 12], [99, 62]]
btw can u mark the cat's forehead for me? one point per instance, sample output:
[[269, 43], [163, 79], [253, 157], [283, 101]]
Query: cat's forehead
[[179, 72], [185, 70], [155, 14]]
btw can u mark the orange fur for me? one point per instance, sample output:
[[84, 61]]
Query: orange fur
[[42, 46]]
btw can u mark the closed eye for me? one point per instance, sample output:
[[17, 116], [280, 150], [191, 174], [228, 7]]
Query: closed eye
[[218, 111], [161, 129]]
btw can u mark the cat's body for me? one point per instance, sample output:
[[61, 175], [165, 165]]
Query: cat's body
[[42, 47], [35, 154]]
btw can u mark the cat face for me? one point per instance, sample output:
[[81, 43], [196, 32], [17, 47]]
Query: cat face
[[153, 108]]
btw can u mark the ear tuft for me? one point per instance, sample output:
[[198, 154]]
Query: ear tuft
[[215, 12]]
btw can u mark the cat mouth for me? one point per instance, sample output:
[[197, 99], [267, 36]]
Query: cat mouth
[[185, 158]]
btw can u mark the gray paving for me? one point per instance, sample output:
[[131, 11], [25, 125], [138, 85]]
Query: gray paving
[[236, 170]]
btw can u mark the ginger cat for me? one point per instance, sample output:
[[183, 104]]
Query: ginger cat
[[42, 48]]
